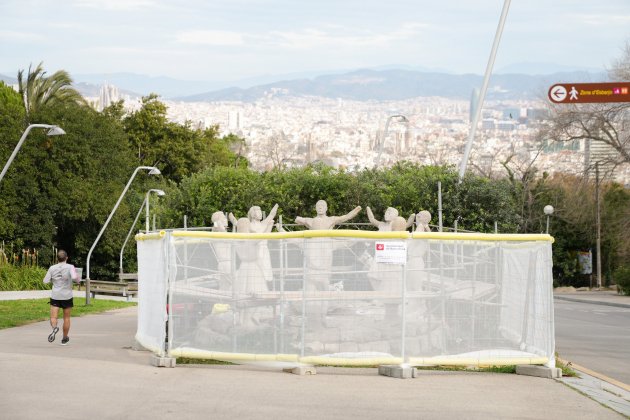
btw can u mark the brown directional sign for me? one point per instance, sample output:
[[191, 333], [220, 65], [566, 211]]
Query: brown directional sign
[[581, 93]]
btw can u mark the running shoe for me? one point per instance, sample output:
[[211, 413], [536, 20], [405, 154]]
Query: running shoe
[[51, 337]]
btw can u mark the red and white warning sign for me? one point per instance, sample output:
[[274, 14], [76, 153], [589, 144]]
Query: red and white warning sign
[[394, 252]]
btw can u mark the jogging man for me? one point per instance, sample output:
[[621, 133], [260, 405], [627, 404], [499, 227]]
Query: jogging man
[[61, 274]]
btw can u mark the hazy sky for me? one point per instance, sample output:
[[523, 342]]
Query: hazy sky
[[233, 39]]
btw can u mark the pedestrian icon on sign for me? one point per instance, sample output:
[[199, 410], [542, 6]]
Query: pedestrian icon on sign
[[573, 94]]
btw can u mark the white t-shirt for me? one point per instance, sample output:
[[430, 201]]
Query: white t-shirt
[[61, 275]]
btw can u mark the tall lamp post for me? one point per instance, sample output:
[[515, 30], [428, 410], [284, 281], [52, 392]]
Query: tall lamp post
[[401, 118], [152, 171], [53, 130], [548, 211], [160, 193]]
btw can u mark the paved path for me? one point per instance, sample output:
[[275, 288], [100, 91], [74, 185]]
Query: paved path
[[99, 376]]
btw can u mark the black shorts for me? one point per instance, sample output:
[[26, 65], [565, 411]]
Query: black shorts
[[68, 303]]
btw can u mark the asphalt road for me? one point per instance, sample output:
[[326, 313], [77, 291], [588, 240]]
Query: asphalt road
[[594, 336]]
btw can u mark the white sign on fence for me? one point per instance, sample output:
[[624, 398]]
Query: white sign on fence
[[390, 252]]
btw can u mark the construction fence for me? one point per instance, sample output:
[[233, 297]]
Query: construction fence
[[347, 297]]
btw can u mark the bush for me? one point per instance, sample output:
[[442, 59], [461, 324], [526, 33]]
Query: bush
[[22, 278], [622, 279]]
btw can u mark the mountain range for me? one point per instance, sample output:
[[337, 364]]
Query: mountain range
[[361, 85], [364, 85]]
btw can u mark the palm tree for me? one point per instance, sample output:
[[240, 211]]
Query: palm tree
[[39, 91]]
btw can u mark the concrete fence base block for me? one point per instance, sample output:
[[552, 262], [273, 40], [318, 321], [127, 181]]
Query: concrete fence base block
[[301, 370], [397, 371], [540, 371], [158, 361]]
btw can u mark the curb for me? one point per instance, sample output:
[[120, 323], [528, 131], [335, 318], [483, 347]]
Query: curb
[[594, 374], [601, 388], [594, 302]]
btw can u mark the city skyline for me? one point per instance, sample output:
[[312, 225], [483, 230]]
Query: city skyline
[[244, 39]]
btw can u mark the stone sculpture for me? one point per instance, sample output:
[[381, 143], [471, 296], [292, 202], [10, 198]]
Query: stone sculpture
[[258, 225], [422, 221], [386, 225], [222, 251], [249, 276], [319, 252], [219, 222], [323, 221]]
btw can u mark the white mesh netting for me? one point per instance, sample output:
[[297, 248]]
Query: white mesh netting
[[351, 297]]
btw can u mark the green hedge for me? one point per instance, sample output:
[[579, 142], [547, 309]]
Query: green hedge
[[622, 279], [22, 278]]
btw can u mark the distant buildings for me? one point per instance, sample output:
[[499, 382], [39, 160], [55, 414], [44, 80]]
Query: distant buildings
[[107, 95], [280, 130]]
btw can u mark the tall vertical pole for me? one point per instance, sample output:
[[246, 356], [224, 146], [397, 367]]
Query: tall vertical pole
[[440, 206], [484, 89], [547, 231], [146, 217], [598, 227], [133, 225], [153, 171]]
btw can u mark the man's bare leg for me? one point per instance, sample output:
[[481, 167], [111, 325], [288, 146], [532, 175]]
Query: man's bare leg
[[66, 321], [54, 313]]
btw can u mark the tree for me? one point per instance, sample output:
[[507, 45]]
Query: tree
[[606, 123], [11, 128], [178, 150], [407, 187], [39, 91], [61, 189]]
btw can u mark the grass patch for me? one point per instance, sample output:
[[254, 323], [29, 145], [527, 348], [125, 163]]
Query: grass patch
[[14, 313], [499, 369], [492, 369], [566, 369]]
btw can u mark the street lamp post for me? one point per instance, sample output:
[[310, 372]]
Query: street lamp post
[[401, 118], [53, 130], [160, 193], [548, 211], [152, 171]]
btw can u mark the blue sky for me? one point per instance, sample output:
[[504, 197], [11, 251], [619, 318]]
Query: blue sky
[[235, 39]]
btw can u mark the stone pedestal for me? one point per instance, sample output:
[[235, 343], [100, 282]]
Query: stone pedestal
[[158, 361], [397, 371]]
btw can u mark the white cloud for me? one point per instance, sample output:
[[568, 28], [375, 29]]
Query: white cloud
[[133, 51], [599, 19], [329, 36], [115, 4], [314, 38], [14, 36], [216, 38]]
